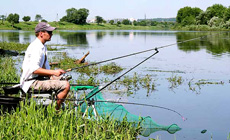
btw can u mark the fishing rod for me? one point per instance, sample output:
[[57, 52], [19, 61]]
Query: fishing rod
[[164, 46], [156, 51], [121, 76]]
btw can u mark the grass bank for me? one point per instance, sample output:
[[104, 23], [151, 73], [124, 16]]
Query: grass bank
[[70, 26], [37, 122]]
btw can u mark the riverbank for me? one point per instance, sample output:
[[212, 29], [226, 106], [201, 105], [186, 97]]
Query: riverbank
[[28, 26]]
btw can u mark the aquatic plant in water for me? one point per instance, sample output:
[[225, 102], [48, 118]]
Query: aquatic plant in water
[[175, 81]]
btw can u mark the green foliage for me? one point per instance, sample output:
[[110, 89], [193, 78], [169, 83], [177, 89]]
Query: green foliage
[[63, 25], [126, 22], [16, 46], [2, 17], [118, 23], [142, 23], [202, 18], [37, 122], [227, 24], [8, 72], [215, 22], [43, 20], [187, 12], [13, 18], [189, 20], [111, 68], [38, 17], [111, 22], [66, 62], [134, 82], [135, 23], [216, 16], [76, 16], [216, 10], [154, 23], [13, 46], [99, 19], [26, 18], [227, 14], [175, 81]]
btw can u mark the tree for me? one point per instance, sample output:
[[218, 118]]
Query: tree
[[202, 18], [38, 17], [26, 18], [76, 16], [2, 17], [118, 23], [64, 18], [227, 24], [99, 19], [216, 10], [111, 22], [142, 23], [13, 18], [154, 23], [82, 14], [187, 12], [135, 23], [126, 22], [215, 22], [227, 14], [189, 20]]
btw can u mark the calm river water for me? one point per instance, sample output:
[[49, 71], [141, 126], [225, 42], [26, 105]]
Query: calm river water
[[203, 60]]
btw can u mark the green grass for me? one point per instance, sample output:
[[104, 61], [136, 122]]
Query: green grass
[[13, 46], [70, 26], [37, 122], [19, 47], [8, 72]]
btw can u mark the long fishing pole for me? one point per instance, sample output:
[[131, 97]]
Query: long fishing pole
[[164, 46], [120, 76]]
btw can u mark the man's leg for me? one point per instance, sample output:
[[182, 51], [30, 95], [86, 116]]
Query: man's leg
[[46, 85], [62, 95]]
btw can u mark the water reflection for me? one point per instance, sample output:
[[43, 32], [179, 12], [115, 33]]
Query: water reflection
[[215, 43], [10, 36], [74, 38], [26, 37], [100, 35]]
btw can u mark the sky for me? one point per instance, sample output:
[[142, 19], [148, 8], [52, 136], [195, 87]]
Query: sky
[[53, 10]]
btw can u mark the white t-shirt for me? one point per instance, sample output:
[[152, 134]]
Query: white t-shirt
[[33, 60]]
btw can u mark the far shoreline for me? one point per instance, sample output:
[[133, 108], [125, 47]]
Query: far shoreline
[[29, 26]]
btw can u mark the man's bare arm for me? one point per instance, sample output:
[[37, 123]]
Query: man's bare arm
[[46, 72]]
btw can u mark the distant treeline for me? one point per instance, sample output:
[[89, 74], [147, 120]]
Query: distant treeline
[[215, 16]]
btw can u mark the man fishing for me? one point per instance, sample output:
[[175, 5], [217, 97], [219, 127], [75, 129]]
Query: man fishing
[[36, 65]]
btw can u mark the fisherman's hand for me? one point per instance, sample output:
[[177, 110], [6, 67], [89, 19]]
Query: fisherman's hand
[[58, 72]]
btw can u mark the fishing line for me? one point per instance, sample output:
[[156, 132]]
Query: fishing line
[[180, 42], [131, 103]]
